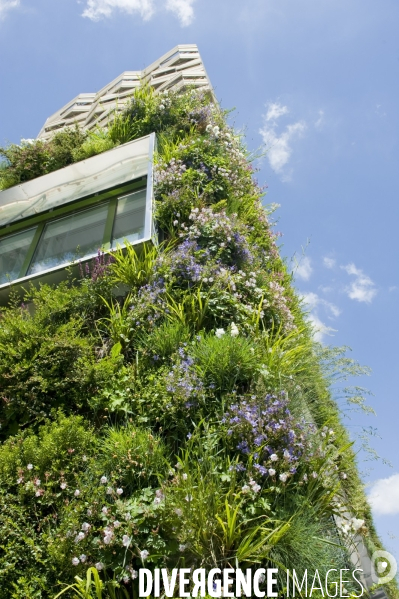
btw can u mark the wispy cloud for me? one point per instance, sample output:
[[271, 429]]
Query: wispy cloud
[[320, 120], [6, 5], [100, 9], [315, 303], [384, 495], [329, 262], [183, 10], [275, 111], [279, 145], [303, 270], [362, 288]]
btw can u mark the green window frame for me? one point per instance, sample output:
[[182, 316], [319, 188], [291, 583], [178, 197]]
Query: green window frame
[[39, 224]]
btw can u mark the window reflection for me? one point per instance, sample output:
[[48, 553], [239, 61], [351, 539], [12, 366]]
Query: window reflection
[[130, 218], [13, 251], [70, 238]]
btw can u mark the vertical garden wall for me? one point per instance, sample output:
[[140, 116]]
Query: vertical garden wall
[[170, 408]]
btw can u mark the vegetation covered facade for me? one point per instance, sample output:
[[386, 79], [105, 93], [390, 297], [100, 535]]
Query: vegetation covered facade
[[169, 407]]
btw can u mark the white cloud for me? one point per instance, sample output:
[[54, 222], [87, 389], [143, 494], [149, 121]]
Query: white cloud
[[313, 300], [278, 146], [384, 495], [303, 269], [6, 5], [315, 303], [97, 9], [328, 262], [320, 329], [362, 288], [183, 10], [275, 111]]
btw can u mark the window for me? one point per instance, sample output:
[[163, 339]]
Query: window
[[13, 253], [67, 216], [66, 239], [77, 236], [130, 217]]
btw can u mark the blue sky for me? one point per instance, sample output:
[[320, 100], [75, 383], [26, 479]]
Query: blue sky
[[315, 83]]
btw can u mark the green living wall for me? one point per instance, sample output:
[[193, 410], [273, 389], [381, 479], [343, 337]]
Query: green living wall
[[170, 408]]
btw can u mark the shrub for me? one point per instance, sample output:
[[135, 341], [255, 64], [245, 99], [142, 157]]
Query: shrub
[[225, 362]]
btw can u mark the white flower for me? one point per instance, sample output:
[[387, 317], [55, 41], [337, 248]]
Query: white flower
[[286, 454], [272, 472], [209, 128], [119, 491], [134, 574], [117, 524], [77, 493], [188, 497], [305, 477], [283, 477], [29, 466], [86, 526], [184, 476], [103, 480], [79, 537], [182, 547], [245, 489], [75, 561], [261, 578], [219, 333], [161, 107], [84, 458], [314, 474], [179, 512], [255, 487], [37, 482], [343, 475], [20, 480], [274, 457], [144, 554], [89, 512], [99, 566], [171, 472], [63, 486], [104, 510], [38, 493], [126, 579], [356, 523], [125, 540], [234, 332], [179, 466], [216, 131], [175, 222], [128, 517], [83, 558], [157, 500], [109, 490]]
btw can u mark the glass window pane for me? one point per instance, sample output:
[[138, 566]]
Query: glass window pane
[[129, 219], [70, 238], [13, 250]]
